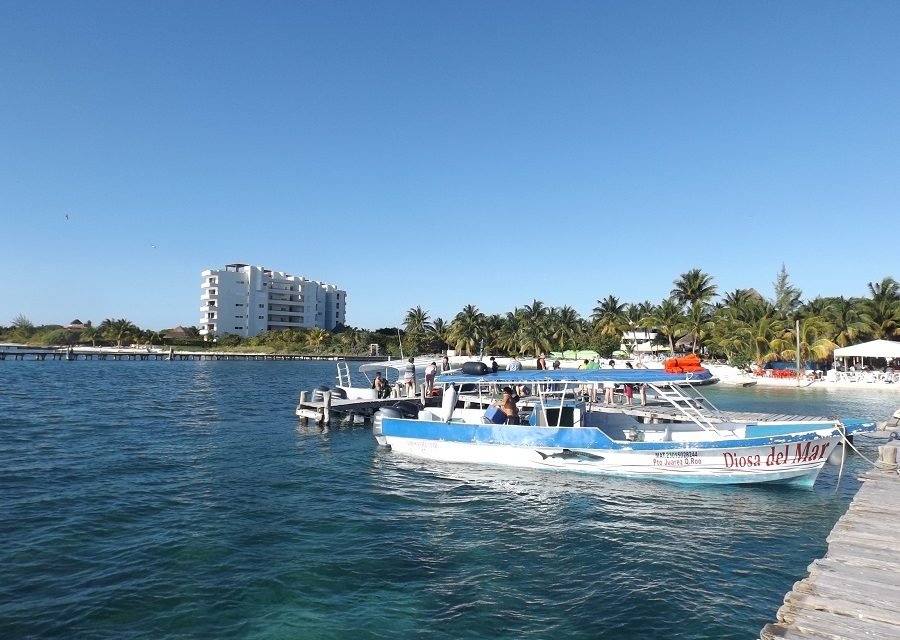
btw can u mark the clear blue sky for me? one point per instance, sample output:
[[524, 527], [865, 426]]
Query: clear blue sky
[[439, 154]]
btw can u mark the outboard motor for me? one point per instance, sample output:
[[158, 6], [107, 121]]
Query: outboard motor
[[407, 409], [337, 392], [448, 402], [318, 393], [377, 426]]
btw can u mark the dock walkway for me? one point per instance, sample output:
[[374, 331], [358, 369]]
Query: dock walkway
[[854, 591]]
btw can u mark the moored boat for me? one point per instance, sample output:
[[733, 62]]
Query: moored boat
[[685, 440]]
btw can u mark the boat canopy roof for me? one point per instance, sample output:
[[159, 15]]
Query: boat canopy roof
[[577, 376]]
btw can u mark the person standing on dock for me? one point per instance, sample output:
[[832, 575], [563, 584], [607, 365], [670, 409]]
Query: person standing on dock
[[430, 372], [409, 378]]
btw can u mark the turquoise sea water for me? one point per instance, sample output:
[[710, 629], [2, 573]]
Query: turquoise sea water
[[183, 500]]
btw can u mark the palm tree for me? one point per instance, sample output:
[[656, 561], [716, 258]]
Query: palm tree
[[90, 334], [565, 327], [697, 323], [467, 329], [764, 338], [730, 335], [533, 334], [814, 344], [667, 318], [533, 339], [438, 333], [536, 311], [507, 336], [316, 337], [149, 336], [609, 316], [847, 325], [416, 320], [739, 297], [634, 317], [493, 325], [887, 289], [118, 330], [694, 287], [881, 312]]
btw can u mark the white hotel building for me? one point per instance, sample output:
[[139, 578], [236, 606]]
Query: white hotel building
[[244, 300]]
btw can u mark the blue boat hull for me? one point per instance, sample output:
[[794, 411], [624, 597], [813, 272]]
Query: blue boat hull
[[794, 458]]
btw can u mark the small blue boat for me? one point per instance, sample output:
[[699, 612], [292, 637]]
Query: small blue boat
[[566, 425]]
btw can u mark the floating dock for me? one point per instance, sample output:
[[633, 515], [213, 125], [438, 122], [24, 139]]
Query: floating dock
[[322, 411], [854, 591]]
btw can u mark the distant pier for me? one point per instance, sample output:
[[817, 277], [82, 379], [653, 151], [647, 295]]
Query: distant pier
[[156, 354], [854, 591]]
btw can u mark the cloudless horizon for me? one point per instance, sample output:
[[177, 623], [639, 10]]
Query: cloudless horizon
[[442, 154]]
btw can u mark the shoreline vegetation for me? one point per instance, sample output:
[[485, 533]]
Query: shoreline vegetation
[[741, 328]]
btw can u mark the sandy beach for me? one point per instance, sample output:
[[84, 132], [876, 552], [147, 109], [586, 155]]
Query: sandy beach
[[731, 375]]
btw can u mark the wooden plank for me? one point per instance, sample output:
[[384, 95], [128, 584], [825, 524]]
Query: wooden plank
[[825, 616], [869, 510], [871, 530], [854, 587], [831, 626], [783, 632], [864, 558]]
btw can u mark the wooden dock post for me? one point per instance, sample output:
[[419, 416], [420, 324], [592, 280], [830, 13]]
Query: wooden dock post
[[300, 402], [326, 407]]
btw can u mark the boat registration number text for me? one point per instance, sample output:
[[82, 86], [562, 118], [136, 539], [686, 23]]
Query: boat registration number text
[[676, 458]]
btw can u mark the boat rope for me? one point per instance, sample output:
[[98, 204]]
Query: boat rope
[[878, 465], [843, 431]]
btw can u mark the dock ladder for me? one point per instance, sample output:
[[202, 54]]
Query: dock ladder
[[343, 374]]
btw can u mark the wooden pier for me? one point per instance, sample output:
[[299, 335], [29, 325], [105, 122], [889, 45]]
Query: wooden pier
[[143, 354], [321, 411], [854, 591]]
